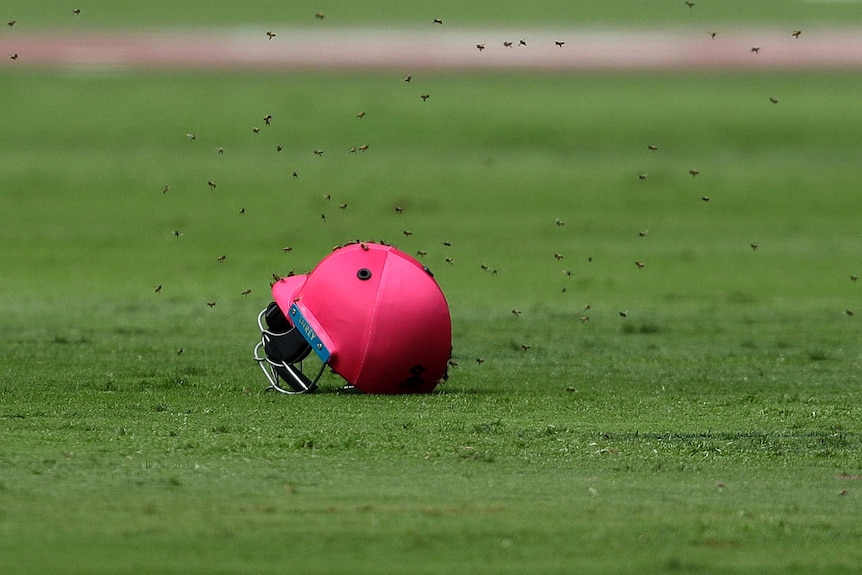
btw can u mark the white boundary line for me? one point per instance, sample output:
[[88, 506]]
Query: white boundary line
[[407, 50]]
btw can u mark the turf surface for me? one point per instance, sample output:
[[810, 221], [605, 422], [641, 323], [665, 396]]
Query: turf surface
[[343, 13], [714, 428]]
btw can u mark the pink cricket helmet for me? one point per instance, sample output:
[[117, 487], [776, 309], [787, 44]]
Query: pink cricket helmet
[[372, 313]]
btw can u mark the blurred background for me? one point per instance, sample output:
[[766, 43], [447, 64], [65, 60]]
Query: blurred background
[[630, 153]]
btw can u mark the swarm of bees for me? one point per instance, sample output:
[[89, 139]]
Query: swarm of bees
[[272, 125]]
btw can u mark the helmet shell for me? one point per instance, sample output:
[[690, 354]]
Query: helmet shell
[[376, 314]]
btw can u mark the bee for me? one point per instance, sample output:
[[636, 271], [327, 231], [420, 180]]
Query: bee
[[211, 184], [179, 351], [773, 100], [437, 21], [558, 43], [165, 189], [516, 312], [694, 172], [507, 44], [267, 119], [624, 314], [295, 174], [755, 49], [689, 4], [854, 278], [11, 23], [652, 148], [327, 196], [450, 261], [453, 363], [342, 206], [712, 34], [424, 96], [220, 150], [220, 259], [360, 115], [363, 147], [421, 253], [558, 257], [704, 199], [754, 246], [270, 35], [255, 129], [796, 34], [399, 210], [177, 233], [559, 223], [407, 233], [525, 347], [320, 15], [480, 47], [245, 292], [318, 152], [643, 233], [480, 360], [158, 288], [76, 11], [585, 318], [279, 147], [408, 78], [642, 177], [14, 56], [211, 304], [287, 249], [447, 244], [568, 273], [276, 278], [241, 211], [640, 265], [192, 137], [522, 43], [323, 218], [848, 312]]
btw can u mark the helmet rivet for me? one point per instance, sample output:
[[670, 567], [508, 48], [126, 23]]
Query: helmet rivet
[[364, 274]]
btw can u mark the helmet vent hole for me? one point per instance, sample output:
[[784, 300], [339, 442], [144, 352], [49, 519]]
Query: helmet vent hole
[[364, 274]]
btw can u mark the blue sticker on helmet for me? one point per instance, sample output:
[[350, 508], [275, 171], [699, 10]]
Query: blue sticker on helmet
[[309, 334]]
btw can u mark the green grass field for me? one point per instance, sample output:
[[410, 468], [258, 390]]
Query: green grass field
[[511, 13], [713, 429]]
